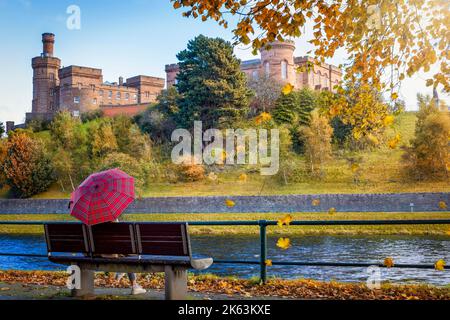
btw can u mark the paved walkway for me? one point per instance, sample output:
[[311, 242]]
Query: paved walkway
[[20, 291]]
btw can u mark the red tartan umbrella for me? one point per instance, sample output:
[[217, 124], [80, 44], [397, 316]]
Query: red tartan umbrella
[[102, 197]]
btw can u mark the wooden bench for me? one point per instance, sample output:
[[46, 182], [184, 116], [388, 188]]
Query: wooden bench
[[142, 248]]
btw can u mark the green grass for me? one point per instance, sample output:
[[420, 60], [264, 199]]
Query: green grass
[[440, 230]]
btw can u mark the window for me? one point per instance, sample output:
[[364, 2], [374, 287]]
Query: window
[[94, 101], [127, 96], [147, 94], [110, 94], [51, 92], [255, 75], [76, 113], [118, 95], [135, 97], [93, 87], [267, 69], [76, 100], [284, 71], [52, 76], [80, 85], [101, 93]]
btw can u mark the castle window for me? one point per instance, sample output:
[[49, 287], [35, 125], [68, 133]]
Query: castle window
[[147, 94], [267, 69], [51, 92], [127, 96], [135, 97], [255, 75], [76, 100], [94, 101], [284, 71], [80, 85], [93, 87], [76, 113], [110, 94], [52, 76], [118, 95], [101, 93]]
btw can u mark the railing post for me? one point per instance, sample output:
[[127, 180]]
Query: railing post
[[263, 254]]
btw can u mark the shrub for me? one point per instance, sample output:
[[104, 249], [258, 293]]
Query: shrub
[[91, 115], [27, 169], [189, 171]]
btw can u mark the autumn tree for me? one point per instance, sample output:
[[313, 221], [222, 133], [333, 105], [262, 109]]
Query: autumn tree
[[266, 92], [317, 137], [385, 40], [27, 168], [2, 129], [428, 157], [213, 89], [102, 139]]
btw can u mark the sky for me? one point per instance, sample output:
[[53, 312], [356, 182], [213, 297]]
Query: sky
[[124, 38]]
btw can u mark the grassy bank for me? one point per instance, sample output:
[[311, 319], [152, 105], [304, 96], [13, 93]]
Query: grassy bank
[[275, 230], [239, 288]]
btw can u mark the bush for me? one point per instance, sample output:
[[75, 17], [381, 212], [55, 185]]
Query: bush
[[27, 169], [429, 154], [188, 171], [91, 115]]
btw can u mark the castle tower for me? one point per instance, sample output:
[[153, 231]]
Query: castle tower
[[45, 80], [277, 61]]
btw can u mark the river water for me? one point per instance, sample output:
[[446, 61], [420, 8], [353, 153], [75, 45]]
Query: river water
[[372, 249]]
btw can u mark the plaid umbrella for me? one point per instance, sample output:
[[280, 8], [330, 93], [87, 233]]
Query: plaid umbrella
[[102, 197]]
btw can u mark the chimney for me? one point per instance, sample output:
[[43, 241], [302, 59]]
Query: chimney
[[120, 81], [48, 41], [9, 126]]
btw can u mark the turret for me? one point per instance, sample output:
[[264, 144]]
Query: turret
[[277, 61]]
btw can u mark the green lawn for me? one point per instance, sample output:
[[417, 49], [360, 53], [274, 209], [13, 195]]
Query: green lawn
[[275, 230]]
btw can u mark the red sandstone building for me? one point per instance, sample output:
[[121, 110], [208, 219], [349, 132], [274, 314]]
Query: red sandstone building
[[279, 64], [81, 89]]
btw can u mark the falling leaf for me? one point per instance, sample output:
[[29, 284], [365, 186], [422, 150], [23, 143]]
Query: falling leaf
[[316, 202], [287, 89], [212, 176], [243, 177], [440, 265], [388, 262], [230, 203], [286, 220], [284, 243], [268, 263], [442, 205], [332, 211]]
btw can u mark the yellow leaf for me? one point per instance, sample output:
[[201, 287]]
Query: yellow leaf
[[284, 243], [355, 167], [316, 202], [442, 205], [212, 176], [230, 203], [332, 211], [394, 141], [176, 5], [263, 117], [388, 262], [286, 220], [287, 89], [268, 263], [388, 120], [243, 177], [440, 265], [394, 96]]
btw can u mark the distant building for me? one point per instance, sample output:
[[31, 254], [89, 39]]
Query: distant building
[[80, 89], [279, 64]]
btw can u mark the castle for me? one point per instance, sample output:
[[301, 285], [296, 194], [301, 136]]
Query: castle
[[279, 64], [81, 89]]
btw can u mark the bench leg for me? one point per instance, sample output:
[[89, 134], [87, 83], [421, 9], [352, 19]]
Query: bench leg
[[175, 283], [86, 284]]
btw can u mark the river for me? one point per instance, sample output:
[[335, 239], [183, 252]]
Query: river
[[373, 249]]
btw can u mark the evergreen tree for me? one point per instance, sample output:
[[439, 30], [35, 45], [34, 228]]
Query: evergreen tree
[[2, 129], [213, 88], [295, 108]]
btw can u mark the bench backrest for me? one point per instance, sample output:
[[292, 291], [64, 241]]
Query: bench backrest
[[112, 238], [66, 238], [166, 239]]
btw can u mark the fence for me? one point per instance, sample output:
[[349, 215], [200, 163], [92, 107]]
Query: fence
[[263, 224]]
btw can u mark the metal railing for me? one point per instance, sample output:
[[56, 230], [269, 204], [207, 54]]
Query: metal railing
[[263, 224]]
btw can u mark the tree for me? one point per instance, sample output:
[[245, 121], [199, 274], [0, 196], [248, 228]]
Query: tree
[[429, 154], [129, 138], [102, 139], [28, 170], [317, 142], [212, 87], [2, 129], [267, 91], [381, 37]]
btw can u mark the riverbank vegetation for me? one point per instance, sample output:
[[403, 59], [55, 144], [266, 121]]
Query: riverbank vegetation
[[435, 230], [241, 288]]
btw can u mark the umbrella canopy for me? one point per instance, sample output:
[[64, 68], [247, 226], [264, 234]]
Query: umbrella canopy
[[102, 197]]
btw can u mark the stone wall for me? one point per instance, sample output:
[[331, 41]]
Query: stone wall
[[427, 202]]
